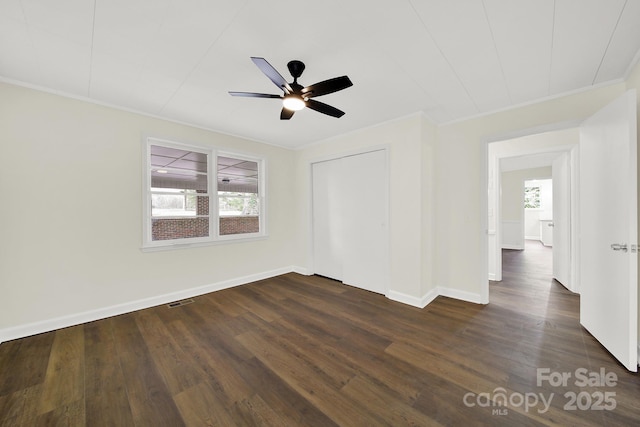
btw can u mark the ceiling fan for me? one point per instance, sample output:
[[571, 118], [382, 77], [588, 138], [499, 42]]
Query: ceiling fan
[[296, 97]]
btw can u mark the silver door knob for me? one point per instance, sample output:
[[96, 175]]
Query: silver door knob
[[619, 247]]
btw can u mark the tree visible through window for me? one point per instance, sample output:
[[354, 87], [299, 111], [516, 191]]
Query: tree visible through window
[[532, 197]]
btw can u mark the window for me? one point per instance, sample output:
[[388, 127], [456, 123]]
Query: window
[[532, 197], [238, 196], [185, 204]]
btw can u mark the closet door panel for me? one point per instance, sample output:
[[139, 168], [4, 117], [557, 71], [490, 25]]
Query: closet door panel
[[327, 218], [364, 222]]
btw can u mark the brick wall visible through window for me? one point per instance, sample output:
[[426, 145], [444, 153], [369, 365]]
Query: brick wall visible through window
[[239, 225]]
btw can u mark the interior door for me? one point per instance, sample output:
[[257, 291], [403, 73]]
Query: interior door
[[365, 209], [561, 220], [608, 228], [327, 218]]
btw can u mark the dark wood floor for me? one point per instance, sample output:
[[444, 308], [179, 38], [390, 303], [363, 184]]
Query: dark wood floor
[[296, 350]]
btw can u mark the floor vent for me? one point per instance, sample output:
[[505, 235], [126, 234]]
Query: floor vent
[[180, 303]]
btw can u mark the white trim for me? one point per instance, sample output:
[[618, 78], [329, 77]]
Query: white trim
[[301, 270], [411, 300], [512, 247], [349, 153], [461, 295], [247, 237], [433, 294], [21, 331]]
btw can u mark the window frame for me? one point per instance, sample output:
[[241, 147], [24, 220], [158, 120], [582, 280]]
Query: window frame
[[214, 237], [261, 197]]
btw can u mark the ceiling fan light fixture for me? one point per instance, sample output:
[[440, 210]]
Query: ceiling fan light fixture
[[297, 97], [293, 102]]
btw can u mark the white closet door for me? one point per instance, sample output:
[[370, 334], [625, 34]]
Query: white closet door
[[327, 218], [364, 223]]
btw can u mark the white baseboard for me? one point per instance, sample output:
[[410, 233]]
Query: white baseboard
[[492, 276], [433, 294], [461, 295], [514, 247], [411, 300], [301, 270], [34, 328]]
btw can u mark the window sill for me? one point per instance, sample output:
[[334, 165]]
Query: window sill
[[223, 240]]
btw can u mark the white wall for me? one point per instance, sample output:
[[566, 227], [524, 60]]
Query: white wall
[[411, 143], [461, 259], [70, 221]]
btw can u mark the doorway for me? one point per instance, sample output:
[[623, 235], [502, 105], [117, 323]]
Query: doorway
[[548, 155], [607, 207]]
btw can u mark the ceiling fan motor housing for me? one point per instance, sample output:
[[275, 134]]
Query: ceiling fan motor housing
[[295, 68]]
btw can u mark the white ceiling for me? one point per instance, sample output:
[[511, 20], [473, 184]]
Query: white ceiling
[[450, 59]]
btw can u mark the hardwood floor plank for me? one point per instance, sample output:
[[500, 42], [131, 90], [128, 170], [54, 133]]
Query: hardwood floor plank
[[21, 407], [255, 303], [23, 363], [70, 414], [385, 405], [339, 408], [200, 406], [176, 366], [221, 302], [259, 413], [150, 401], [64, 380], [219, 368], [399, 375], [280, 396], [332, 368], [106, 396]]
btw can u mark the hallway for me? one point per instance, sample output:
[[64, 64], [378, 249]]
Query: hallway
[[543, 317]]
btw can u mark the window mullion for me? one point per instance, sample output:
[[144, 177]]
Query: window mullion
[[214, 227]]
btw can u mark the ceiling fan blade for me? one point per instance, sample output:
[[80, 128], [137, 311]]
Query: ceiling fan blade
[[324, 108], [327, 86], [286, 114], [272, 73], [254, 95]]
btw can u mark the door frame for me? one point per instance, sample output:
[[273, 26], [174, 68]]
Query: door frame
[[485, 183]]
